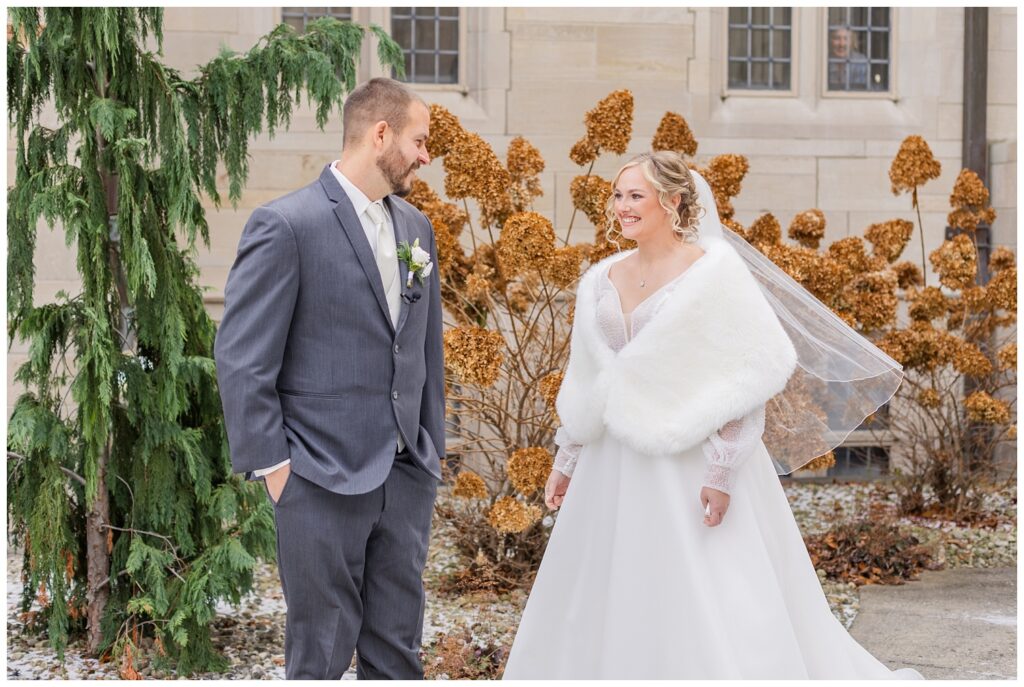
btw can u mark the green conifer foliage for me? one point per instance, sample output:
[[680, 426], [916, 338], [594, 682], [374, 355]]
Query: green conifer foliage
[[119, 478]]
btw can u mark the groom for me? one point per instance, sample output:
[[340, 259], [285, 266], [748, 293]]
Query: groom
[[329, 361]]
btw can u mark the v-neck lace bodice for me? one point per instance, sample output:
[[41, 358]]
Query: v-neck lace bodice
[[619, 327]]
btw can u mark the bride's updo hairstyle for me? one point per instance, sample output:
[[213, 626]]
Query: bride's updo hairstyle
[[667, 172]]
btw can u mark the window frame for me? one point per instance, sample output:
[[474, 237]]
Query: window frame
[[353, 12], [822, 63], [460, 84], [870, 474], [794, 62]]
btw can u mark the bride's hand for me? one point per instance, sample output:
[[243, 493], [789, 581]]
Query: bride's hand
[[554, 490], [719, 501]]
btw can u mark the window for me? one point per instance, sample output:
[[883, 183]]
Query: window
[[760, 47], [860, 461], [429, 37], [858, 48], [298, 17]]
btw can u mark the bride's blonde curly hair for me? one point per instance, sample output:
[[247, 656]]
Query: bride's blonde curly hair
[[667, 172]]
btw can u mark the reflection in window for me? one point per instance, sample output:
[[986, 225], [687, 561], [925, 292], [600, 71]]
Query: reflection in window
[[760, 47], [299, 17], [429, 37], [858, 48]]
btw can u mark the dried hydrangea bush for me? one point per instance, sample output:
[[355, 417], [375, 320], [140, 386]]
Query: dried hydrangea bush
[[508, 279]]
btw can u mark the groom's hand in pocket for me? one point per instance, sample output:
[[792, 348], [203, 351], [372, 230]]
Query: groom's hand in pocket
[[554, 490], [276, 481]]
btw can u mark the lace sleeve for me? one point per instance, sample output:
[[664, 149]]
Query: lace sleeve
[[568, 453], [729, 447]]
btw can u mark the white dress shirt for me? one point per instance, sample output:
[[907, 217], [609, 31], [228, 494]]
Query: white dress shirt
[[359, 202]]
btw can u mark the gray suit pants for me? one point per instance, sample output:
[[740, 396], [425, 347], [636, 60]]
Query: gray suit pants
[[352, 573]]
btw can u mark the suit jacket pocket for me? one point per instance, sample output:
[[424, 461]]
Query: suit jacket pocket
[[310, 394]]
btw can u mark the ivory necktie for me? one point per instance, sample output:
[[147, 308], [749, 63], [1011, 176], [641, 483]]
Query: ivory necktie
[[387, 263], [387, 260]]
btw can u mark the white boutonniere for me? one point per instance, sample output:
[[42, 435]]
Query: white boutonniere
[[417, 260]]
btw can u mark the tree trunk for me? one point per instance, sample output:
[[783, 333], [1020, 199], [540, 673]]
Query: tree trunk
[[98, 556], [97, 532]]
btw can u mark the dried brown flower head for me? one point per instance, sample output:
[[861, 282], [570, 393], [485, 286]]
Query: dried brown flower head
[[584, 151], [872, 300], [929, 398], [527, 242], [908, 274], [890, 238], [528, 469], [823, 462], [968, 220], [765, 231], [474, 354], [478, 284], [724, 175], [509, 516], [602, 248], [852, 256], [822, 276], [472, 170], [590, 195], [674, 134], [449, 250], [913, 165], [974, 299], [984, 409], [431, 204], [610, 123], [928, 304], [970, 361], [1011, 433], [549, 386], [968, 191], [1002, 290], [969, 201], [956, 262], [469, 485], [524, 167], [920, 346], [1001, 258], [564, 267], [1007, 357], [445, 131], [796, 261], [808, 228], [485, 263], [447, 221]]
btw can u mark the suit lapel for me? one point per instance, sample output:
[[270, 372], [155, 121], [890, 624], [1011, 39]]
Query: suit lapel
[[353, 229], [401, 234]]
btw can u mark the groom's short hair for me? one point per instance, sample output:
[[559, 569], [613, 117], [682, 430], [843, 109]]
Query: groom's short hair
[[379, 99]]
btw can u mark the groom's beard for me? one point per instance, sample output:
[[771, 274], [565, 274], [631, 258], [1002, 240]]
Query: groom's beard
[[395, 171]]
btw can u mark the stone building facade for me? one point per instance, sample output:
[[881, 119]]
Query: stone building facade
[[533, 72]]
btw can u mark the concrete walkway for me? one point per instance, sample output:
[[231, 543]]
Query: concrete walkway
[[949, 624]]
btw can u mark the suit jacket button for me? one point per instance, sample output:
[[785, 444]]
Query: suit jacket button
[[394, 395], [396, 348]]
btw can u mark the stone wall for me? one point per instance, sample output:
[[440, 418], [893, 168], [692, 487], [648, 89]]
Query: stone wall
[[535, 71]]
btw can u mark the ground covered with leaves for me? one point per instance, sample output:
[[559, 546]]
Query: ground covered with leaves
[[854, 532]]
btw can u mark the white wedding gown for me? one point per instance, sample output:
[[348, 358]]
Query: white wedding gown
[[634, 586]]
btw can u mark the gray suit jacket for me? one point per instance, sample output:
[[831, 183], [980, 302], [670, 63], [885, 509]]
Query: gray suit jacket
[[309, 364]]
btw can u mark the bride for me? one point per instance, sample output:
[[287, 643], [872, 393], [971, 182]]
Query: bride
[[675, 553]]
